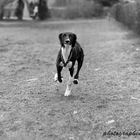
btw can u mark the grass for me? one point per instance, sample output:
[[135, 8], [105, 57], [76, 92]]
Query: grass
[[33, 106]]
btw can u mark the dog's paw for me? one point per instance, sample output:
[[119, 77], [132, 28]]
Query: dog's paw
[[67, 92], [61, 64], [75, 81], [59, 79], [69, 65], [55, 77]]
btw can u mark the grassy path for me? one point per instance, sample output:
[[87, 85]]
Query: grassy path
[[32, 106]]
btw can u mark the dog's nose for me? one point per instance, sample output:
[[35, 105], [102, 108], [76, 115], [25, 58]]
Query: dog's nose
[[67, 41]]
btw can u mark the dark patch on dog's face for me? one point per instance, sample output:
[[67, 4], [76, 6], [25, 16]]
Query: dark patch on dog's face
[[67, 39]]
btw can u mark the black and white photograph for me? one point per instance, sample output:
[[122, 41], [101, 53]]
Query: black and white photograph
[[69, 69]]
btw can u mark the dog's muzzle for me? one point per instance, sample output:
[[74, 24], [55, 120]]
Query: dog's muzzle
[[67, 42]]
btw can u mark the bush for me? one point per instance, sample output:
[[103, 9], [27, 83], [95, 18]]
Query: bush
[[19, 9], [107, 2], [85, 9], [43, 11], [60, 3], [128, 14]]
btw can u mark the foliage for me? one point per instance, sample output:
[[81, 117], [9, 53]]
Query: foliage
[[128, 14], [85, 9], [60, 3], [19, 10], [43, 11], [102, 2], [106, 2]]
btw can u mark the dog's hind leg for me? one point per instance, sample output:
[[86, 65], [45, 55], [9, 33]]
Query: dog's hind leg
[[69, 86], [69, 83]]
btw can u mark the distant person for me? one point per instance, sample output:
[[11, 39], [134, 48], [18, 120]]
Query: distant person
[[35, 11], [31, 8]]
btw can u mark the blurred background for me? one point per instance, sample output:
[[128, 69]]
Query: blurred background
[[64, 9], [125, 11]]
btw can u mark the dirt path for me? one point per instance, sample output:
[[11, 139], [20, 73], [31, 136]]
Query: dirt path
[[32, 106]]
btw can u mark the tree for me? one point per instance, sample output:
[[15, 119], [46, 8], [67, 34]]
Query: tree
[[43, 11]]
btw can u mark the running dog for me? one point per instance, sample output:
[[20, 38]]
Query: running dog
[[70, 52]]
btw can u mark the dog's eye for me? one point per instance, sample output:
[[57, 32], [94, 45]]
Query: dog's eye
[[64, 35]]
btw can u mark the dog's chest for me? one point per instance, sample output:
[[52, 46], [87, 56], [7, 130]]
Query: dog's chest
[[66, 52]]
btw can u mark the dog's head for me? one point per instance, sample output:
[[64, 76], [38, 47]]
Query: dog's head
[[67, 38]]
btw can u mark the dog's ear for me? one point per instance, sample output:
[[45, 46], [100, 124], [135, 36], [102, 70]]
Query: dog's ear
[[74, 38], [61, 38]]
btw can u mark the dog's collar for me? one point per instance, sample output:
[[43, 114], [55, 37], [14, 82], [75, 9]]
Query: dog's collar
[[70, 55]]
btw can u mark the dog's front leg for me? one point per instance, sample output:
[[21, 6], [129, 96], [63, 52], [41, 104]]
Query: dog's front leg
[[59, 67], [78, 70], [59, 77], [71, 70]]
